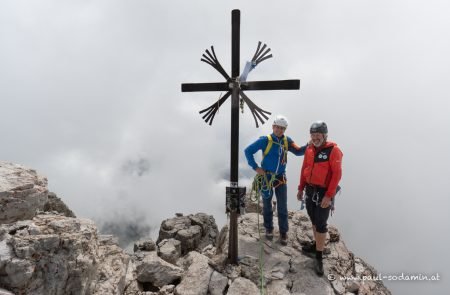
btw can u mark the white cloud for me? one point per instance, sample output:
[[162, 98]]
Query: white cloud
[[86, 88]]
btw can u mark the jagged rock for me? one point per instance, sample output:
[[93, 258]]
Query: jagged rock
[[55, 204], [217, 283], [193, 231], [197, 277], [334, 234], [284, 265], [166, 290], [111, 274], [169, 250], [52, 253], [144, 245], [252, 205], [279, 287], [242, 286], [132, 286], [209, 251], [154, 270], [22, 192]]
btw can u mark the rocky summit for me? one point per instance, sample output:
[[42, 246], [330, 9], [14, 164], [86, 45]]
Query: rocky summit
[[45, 249]]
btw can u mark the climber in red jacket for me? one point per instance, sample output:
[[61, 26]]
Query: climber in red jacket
[[319, 179]]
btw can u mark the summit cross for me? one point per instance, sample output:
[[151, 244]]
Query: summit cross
[[235, 86]]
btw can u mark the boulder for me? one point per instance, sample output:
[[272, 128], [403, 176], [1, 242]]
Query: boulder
[[22, 193], [169, 250], [197, 277], [51, 254], [242, 286], [150, 268], [194, 232]]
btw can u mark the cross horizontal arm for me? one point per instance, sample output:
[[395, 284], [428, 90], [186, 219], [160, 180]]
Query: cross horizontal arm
[[271, 85], [193, 87]]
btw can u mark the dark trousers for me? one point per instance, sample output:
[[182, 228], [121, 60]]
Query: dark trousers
[[317, 214], [281, 195]]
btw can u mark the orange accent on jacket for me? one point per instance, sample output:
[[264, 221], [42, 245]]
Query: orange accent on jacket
[[322, 167]]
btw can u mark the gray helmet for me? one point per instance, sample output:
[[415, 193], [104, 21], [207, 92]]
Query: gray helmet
[[319, 127]]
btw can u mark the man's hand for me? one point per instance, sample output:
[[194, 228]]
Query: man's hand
[[300, 195], [260, 171], [325, 202]]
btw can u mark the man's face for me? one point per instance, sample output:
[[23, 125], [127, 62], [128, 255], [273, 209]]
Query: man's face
[[317, 139], [278, 130]]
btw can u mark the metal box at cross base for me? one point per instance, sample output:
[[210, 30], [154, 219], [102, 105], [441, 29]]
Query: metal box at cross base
[[235, 199]]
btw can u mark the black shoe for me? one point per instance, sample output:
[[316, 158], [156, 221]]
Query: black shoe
[[283, 239], [319, 267], [269, 235], [309, 248]]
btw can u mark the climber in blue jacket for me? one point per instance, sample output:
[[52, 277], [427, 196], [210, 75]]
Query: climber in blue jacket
[[273, 166]]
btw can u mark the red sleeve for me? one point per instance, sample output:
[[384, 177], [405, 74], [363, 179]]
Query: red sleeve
[[336, 171]]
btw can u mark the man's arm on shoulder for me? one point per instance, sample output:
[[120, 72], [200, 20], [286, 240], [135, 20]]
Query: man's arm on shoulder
[[295, 148]]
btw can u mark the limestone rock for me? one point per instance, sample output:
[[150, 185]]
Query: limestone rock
[[169, 250], [144, 245], [194, 232], [111, 273], [217, 283], [55, 204], [286, 269], [22, 193], [242, 286], [154, 270], [52, 254], [197, 277]]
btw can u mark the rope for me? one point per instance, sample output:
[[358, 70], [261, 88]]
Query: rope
[[261, 183]]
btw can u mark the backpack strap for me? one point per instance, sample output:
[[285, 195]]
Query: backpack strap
[[286, 145], [269, 145]]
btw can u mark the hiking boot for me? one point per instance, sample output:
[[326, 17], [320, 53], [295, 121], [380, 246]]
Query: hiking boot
[[318, 267], [283, 239], [269, 235], [309, 248]]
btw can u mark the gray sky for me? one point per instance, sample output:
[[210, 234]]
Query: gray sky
[[90, 97]]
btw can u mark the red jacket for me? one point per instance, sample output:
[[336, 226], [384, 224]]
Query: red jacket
[[322, 167]]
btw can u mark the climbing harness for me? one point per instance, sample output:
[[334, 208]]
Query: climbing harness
[[316, 199]]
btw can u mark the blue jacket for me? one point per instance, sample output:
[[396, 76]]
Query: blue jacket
[[273, 161]]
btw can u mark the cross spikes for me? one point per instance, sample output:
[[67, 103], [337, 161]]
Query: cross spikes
[[259, 114]]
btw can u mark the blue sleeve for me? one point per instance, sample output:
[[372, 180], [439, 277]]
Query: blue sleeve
[[252, 149], [295, 149]]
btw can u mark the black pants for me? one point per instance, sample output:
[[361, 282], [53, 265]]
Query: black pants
[[317, 214]]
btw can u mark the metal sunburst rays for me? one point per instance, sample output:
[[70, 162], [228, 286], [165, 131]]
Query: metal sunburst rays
[[261, 54]]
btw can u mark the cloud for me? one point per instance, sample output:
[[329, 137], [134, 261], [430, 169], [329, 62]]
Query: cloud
[[90, 97]]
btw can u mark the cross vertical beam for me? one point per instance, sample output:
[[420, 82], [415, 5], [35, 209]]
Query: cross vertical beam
[[234, 158]]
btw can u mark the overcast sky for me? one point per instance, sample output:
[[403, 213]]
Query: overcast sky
[[90, 96]]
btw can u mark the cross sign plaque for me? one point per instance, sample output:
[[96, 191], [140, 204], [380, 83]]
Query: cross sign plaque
[[235, 86]]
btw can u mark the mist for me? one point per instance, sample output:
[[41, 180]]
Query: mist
[[90, 96]]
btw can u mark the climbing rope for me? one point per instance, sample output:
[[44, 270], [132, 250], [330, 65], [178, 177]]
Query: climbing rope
[[262, 183]]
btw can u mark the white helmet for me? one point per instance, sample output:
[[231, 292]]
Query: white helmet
[[281, 121]]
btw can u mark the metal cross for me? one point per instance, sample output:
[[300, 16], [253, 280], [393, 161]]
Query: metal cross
[[235, 86]]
